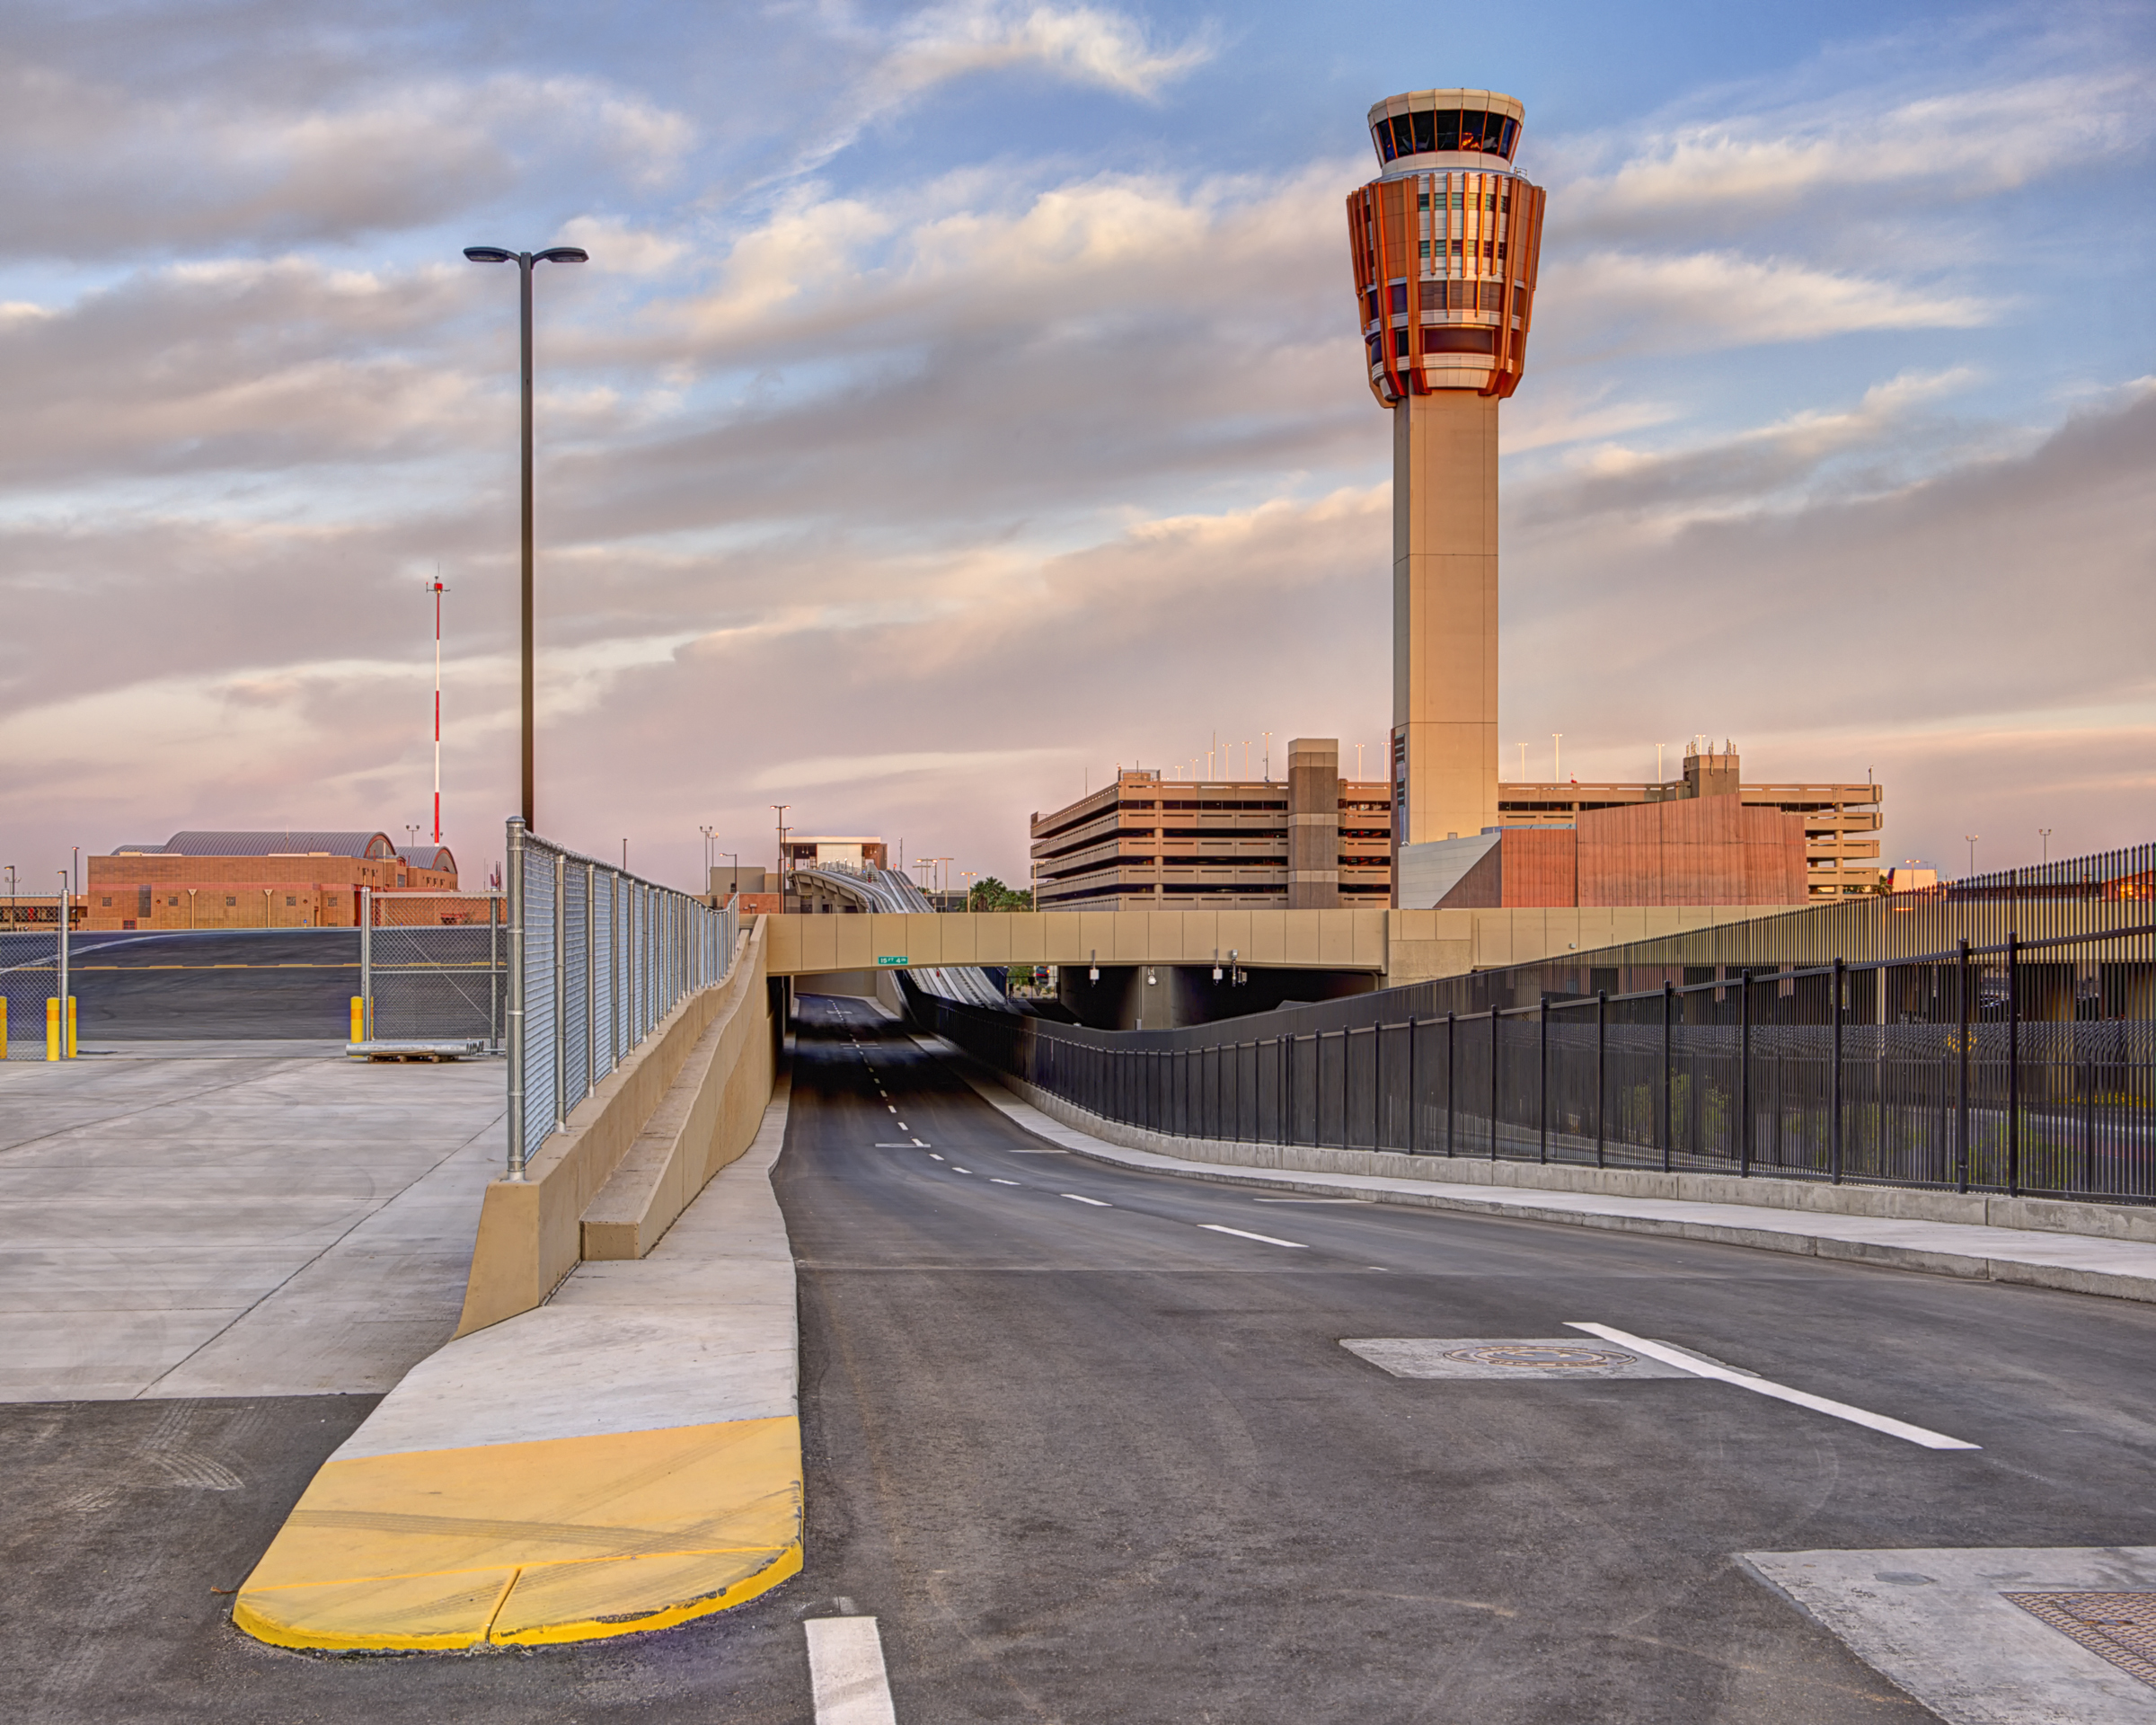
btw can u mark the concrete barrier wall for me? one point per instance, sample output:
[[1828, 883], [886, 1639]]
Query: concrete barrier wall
[[705, 1120], [531, 1231], [2051, 1215]]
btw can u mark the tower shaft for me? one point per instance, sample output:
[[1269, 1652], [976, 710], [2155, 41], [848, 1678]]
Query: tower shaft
[[1444, 615], [1445, 245]]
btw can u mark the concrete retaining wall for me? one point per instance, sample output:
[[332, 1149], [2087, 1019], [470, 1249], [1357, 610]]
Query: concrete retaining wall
[[2051, 1215], [682, 1105]]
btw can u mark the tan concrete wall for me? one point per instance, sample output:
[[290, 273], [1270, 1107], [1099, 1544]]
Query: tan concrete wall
[[530, 1231], [707, 1118]]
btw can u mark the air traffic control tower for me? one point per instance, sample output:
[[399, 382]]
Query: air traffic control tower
[[1445, 242]]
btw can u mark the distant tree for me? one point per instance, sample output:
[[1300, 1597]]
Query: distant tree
[[991, 894]]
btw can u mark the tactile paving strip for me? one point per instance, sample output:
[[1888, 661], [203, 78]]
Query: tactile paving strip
[[2121, 1627]]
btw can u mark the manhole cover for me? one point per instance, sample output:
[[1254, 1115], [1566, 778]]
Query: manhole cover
[[1536, 1357], [2120, 1626], [1521, 1360]]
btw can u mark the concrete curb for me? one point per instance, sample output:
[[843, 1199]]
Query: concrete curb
[[2028, 1257], [625, 1458]]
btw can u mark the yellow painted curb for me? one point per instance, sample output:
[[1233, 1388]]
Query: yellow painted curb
[[563, 1539]]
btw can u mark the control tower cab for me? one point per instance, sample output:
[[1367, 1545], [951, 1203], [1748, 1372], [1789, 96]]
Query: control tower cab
[[1444, 245]]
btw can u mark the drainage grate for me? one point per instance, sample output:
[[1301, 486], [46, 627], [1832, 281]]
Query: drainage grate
[[2119, 1626], [1478, 1357]]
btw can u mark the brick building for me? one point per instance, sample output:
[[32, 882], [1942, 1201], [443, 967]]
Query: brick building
[[278, 879]]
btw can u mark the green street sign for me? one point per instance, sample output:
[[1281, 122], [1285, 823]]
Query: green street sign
[[882, 959]]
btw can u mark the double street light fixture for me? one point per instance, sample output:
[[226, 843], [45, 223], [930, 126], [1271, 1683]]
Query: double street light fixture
[[524, 261]]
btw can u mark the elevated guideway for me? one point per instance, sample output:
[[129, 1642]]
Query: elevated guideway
[[885, 893]]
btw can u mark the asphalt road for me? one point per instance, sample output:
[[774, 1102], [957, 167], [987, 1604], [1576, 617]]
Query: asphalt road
[[245, 985], [1095, 1462]]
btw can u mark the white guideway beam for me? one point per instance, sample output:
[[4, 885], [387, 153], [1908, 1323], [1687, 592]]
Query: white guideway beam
[[846, 1674], [1697, 1368], [1245, 1234]]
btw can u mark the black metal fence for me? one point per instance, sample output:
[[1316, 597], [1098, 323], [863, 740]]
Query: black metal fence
[[2023, 1066]]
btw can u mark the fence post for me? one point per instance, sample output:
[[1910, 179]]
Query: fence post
[[560, 991], [493, 974], [1414, 1097], [1602, 1073], [1347, 1060], [591, 972], [66, 996], [1744, 1072], [1834, 1135], [1542, 1109], [1451, 1070], [1496, 1043], [1377, 1087], [514, 1015], [367, 964], [2013, 1064], [1669, 1003], [1961, 1099]]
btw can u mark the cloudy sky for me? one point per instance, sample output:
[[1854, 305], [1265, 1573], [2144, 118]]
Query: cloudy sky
[[963, 399]]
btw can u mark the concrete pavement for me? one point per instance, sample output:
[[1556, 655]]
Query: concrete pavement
[[254, 1223]]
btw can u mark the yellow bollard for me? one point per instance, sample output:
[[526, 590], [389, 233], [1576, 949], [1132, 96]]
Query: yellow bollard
[[52, 1027], [71, 1027], [358, 1019]]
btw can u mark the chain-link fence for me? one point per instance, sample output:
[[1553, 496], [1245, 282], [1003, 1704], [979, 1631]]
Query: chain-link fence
[[597, 958], [433, 968], [34, 953]]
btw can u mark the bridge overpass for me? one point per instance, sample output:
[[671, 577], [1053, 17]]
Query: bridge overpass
[[844, 929]]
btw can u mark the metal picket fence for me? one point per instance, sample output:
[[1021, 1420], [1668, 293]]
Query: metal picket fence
[[2015, 1066], [597, 958]]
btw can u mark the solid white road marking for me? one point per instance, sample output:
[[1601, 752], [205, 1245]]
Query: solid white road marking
[[993, 1180], [1781, 1392], [1245, 1234], [846, 1674], [904, 1143], [1097, 1203]]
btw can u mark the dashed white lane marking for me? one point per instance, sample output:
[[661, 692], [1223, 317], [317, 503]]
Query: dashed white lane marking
[[890, 1108], [932, 1156], [904, 1143], [957, 1170], [1097, 1203], [1245, 1234], [994, 1181], [846, 1674], [1781, 1392]]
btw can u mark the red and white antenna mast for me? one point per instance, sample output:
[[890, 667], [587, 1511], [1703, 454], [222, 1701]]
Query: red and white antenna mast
[[435, 588]]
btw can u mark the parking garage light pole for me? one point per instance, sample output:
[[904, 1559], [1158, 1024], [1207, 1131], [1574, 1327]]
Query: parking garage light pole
[[524, 261]]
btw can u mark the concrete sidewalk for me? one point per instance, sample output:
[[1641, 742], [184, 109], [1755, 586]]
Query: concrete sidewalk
[[235, 1219], [2123, 1268], [624, 1457]]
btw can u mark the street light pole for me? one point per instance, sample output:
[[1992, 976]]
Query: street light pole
[[782, 808], [524, 261], [1972, 837], [2046, 832]]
